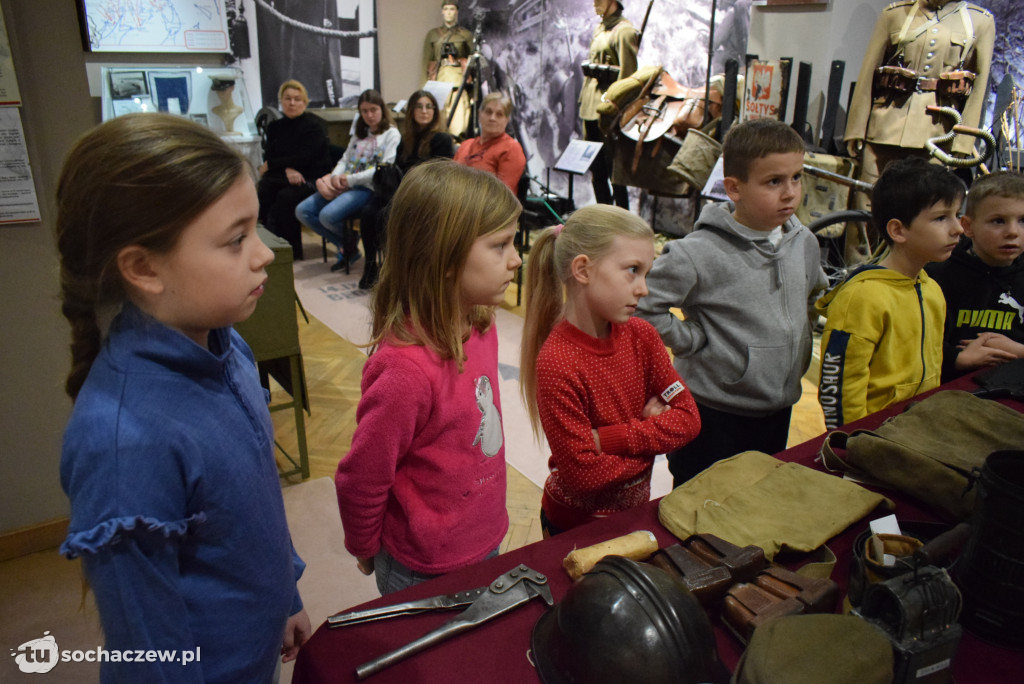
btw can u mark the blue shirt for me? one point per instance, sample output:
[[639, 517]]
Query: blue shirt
[[176, 508]]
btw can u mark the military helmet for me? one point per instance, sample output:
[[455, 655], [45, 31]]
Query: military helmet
[[626, 622]]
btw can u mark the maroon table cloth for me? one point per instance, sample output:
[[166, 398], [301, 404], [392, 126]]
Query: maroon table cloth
[[498, 651]]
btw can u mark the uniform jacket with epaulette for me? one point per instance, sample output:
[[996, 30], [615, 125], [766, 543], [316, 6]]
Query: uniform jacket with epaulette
[[959, 40]]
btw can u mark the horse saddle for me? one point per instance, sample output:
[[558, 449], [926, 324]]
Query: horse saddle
[[665, 106]]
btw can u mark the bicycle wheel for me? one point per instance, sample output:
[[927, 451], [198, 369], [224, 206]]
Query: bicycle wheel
[[831, 231]]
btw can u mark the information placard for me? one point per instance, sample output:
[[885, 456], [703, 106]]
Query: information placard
[[578, 156], [18, 203]]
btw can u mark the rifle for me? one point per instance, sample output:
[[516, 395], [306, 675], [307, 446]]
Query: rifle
[[643, 26]]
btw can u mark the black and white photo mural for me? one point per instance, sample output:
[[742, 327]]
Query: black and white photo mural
[[533, 50], [330, 46], [1008, 52]]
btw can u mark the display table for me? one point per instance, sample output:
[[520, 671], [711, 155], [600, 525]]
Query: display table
[[498, 651]]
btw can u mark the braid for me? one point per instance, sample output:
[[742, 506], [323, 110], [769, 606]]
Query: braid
[[139, 179], [79, 297], [85, 344]]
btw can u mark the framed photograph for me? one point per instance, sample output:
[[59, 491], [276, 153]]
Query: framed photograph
[[128, 84], [200, 119], [130, 105]]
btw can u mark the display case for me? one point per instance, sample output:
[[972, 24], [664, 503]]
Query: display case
[[214, 97]]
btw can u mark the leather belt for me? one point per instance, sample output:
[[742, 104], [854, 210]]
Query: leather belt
[[927, 85]]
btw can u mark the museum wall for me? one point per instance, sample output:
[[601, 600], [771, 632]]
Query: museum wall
[[818, 35], [33, 336], [51, 68], [402, 25]]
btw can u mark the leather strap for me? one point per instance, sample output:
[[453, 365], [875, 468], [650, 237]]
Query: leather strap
[[906, 39], [648, 120], [834, 463]]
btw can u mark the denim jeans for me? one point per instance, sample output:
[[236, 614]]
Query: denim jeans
[[327, 217], [392, 576]]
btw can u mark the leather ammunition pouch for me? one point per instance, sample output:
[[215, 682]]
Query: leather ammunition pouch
[[708, 566], [775, 592], [894, 81], [606, 74], [955, 84]]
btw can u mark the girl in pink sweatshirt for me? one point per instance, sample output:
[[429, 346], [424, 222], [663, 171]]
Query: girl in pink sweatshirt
[[422, 490]]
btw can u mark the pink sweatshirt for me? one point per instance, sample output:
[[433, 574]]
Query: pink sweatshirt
[[425, 477]]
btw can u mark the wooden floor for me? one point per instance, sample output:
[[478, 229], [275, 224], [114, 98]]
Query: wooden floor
[[333, 369]]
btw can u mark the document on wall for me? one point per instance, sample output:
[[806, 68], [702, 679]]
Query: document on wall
[[9, 93], [18, 202]]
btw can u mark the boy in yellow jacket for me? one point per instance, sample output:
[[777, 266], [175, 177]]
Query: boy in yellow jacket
[[883, 339]]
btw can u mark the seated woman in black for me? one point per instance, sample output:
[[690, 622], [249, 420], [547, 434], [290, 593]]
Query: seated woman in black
[[423, 138], [296, 155]]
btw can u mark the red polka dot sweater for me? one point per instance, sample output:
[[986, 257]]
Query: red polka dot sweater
[[585, 383]]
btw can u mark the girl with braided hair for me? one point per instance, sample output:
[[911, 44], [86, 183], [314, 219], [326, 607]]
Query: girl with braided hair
[[176, 509]]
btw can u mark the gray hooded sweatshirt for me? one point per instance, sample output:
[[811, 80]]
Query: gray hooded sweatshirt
[[748, 306]]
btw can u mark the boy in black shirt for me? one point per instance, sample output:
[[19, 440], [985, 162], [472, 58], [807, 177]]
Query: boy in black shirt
[[983, 281]]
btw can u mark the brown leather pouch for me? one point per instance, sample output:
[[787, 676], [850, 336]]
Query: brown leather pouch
[[709, 565], [894, 80], [743, 563], [957, 84], [747, 606], [708, 583], [818, 595], [774, 593]]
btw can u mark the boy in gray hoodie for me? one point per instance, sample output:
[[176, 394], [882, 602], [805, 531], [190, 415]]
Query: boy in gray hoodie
[[745, 279]]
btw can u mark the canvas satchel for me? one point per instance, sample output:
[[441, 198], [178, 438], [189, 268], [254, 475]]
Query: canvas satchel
[[930, 450], [753, 498], [822, 196]]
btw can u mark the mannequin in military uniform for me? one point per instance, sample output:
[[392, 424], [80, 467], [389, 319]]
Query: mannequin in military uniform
[[445, 53], [922, 52], [612, 56]]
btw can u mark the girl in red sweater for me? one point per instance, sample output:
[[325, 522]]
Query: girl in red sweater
[[422, 491], [598, 381]]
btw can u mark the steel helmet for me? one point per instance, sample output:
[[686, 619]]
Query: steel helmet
[[626, 622]]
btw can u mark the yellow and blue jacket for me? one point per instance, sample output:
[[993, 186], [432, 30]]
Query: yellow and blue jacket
[[882, 342]]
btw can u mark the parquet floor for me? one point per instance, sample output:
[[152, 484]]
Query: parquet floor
[[333, 368]]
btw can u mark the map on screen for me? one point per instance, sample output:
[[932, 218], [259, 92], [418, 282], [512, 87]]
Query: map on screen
[[155, 25]]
